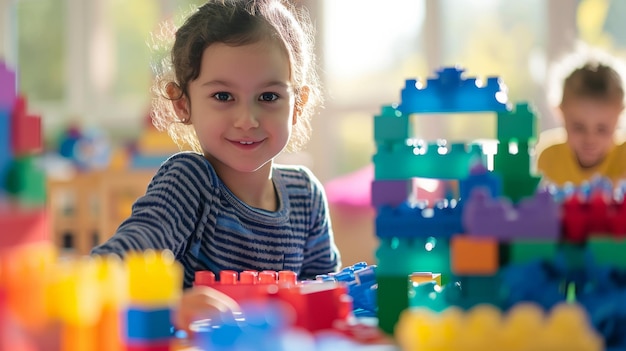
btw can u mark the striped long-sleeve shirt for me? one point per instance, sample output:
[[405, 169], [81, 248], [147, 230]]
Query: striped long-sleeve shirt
[[188, 210]]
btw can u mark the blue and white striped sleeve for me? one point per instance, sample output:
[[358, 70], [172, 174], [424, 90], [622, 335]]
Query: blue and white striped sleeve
[[321, 255], [166, 215]]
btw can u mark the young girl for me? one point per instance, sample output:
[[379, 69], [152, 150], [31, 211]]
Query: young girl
[[591, 104], [243, 87]]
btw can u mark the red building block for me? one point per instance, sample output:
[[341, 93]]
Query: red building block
[[21, 226], [317, 304], [25, 130]]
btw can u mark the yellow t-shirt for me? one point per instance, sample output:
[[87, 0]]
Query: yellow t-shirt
[[558, 164]]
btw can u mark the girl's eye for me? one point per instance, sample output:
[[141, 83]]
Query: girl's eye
[[268, 97], [222, 96]]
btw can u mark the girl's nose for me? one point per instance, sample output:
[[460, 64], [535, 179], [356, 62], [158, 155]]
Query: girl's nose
[[246, 117]]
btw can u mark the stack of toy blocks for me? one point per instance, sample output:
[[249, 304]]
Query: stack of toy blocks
[[22, 182], [504, 241], [148, 315], [86, 304], [416, 237], [304, 297]]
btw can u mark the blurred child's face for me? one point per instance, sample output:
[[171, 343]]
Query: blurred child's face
[[590, 126], [242, 105]]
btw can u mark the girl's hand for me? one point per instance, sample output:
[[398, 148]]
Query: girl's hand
[[201, 302]]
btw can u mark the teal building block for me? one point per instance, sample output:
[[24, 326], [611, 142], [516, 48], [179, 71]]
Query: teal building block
[[26, 181], [520, 252], [518, 124], [476, 290], [412, 161], [391, 127], [607, 250], [396, 259], [403, 256], [573, 254]]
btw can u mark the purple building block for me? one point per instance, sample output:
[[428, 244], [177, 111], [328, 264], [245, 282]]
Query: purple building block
[[536, 217], [7, 87], [390, 192]]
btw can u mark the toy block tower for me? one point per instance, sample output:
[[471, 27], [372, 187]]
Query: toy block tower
[[418, 237], [22, 181]]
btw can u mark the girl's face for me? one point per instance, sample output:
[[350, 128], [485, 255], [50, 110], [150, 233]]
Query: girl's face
[[241, 105], [590, 126]]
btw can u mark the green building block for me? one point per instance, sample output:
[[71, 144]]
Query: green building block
[[392, 296], [518, 124], [409, 161], [391, 127], [26, 181], [520, 252], [514, 168], [608, 251]]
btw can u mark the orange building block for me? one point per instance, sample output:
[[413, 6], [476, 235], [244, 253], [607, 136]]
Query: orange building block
[[473, 255]]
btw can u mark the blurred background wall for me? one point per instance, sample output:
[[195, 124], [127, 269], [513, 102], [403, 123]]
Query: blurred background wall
[[89, 61]]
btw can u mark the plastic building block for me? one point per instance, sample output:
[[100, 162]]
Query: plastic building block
[[608, 251], [525, 327], [450, 92], [22, 226], [404, 221], [512, 163], [147, 326], [390, 192], [480, 177], [25, 130], [473, 256], [518, 124], [148, 267], [266, 286], [532, 218], [422, 277], [5, 144], [393, 298], [26, 181], [596, 216], [391, 127], [360, 279], [7, 87], [520, 252], [432, 160]]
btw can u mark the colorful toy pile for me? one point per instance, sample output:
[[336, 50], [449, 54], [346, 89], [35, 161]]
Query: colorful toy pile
[[22, 182], [504, 240]]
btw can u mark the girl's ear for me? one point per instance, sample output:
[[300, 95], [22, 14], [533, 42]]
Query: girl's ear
[[301, 100], [180, 102]]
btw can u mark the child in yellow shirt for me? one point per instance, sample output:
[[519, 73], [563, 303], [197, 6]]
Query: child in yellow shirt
[[591, 104]]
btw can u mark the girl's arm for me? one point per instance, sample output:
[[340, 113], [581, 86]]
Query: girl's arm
[[165, 217]]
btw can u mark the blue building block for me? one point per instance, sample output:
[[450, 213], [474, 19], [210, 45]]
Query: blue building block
[[391, 127], [6, 156], [449, 92], [435, 160], [405, 221], [480, 177], [360, 279], [144, 325]]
